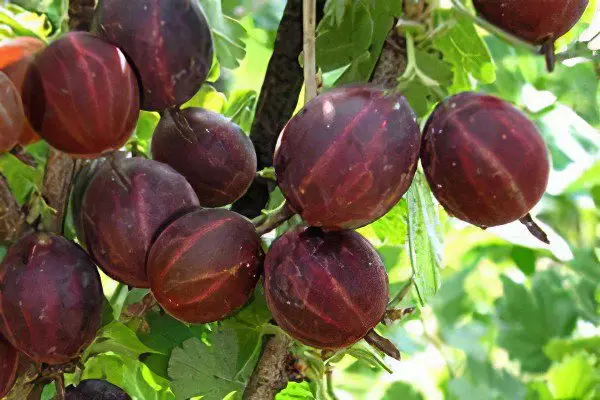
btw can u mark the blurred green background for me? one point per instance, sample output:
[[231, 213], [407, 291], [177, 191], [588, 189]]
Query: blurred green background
[[513, 318]]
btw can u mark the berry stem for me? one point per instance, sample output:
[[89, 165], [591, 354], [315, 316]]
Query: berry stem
[[379, 342], [534, 228], [267, 222], [183, 126], [401, 294], [59, 382]]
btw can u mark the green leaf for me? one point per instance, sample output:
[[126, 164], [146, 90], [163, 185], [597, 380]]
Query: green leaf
[[339, 45], [119, 339], [424, 239], [228, 34], [207, 97], [392, 228], [557, 349], [21, 22], [296, 391], [462, 47], [211, 371], [401, 390], [56, 10], [22, 179], [481, 380], [530, 318], [129, 374], [575, 377], [166, 333], [240, 108]]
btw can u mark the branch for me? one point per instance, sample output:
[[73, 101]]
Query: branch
[[277, 101], [270, 375], [12, 219], [81, 13], [58, 177]]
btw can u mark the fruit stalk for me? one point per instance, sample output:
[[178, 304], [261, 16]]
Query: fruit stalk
[[265, 224]]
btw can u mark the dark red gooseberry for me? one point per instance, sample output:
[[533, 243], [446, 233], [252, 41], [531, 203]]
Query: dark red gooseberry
[[216, 157], [16, 55], [484, 159], [12, 116], [326, 289], [205, 265], [95, 389], [348, 157], [534, 21], [123, 209], [82, 96], [9, 363], [51, 298], [169, 42]]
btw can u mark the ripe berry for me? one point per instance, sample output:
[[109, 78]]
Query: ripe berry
[[328, 290], [205, 265], [51, 298], [9, 363], [485, 161], [534, 21], [95, 389], [82, 96], [16, 55], [216, 157], [348, 157], [12, 116], [169, 42], [123, 209]]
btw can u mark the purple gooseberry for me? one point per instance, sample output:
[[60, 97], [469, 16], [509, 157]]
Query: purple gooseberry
[[124, 206], [326, 289], [51, 298], [485, 161], [205, 265], [82, 96], [216, 157], [348, 156], [169, 42]]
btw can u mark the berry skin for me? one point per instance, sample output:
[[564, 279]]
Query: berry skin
[[51, 298], [169, 42], [348, 157], [124, 208], [82, 96], [16, 55], [484, 159], [12, 116], [534, 21], [95, 389], [205, 265], [218, 159], [9, 363], [326, 289]]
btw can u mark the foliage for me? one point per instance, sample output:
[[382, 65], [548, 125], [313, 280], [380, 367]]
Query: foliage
[[505, 318]]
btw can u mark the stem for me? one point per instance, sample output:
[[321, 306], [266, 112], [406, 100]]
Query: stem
[[329, 382], [401, 294], [437, 343], [534, 228], [270, 375], [12, 219], [59, 382], [309, 8], [382, 344], [58, 178], [26, 158], [502, 34], [268, 222]]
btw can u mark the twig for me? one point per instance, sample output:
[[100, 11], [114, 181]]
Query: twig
[[268, 222], [58, 178], [310, 63], [12, 219], [59, 382], [26, 158], [270, 376]]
